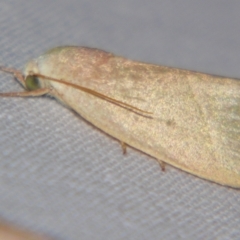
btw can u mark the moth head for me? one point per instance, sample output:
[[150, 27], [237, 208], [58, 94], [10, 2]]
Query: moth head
[[31, 80]]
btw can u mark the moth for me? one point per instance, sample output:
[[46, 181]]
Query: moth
[[187, 119]]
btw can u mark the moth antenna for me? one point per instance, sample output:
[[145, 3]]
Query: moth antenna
[[15, 72], [97, 94]]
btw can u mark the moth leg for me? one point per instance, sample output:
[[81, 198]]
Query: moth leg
[[162, 165], [35, 93], [124, 147]]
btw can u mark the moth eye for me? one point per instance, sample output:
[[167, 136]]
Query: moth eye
[[32, 83]]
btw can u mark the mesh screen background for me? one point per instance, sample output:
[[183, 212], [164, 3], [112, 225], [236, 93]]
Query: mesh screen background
[[61, 176]]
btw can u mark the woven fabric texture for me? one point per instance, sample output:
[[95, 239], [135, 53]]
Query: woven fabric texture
[[61, 176]]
